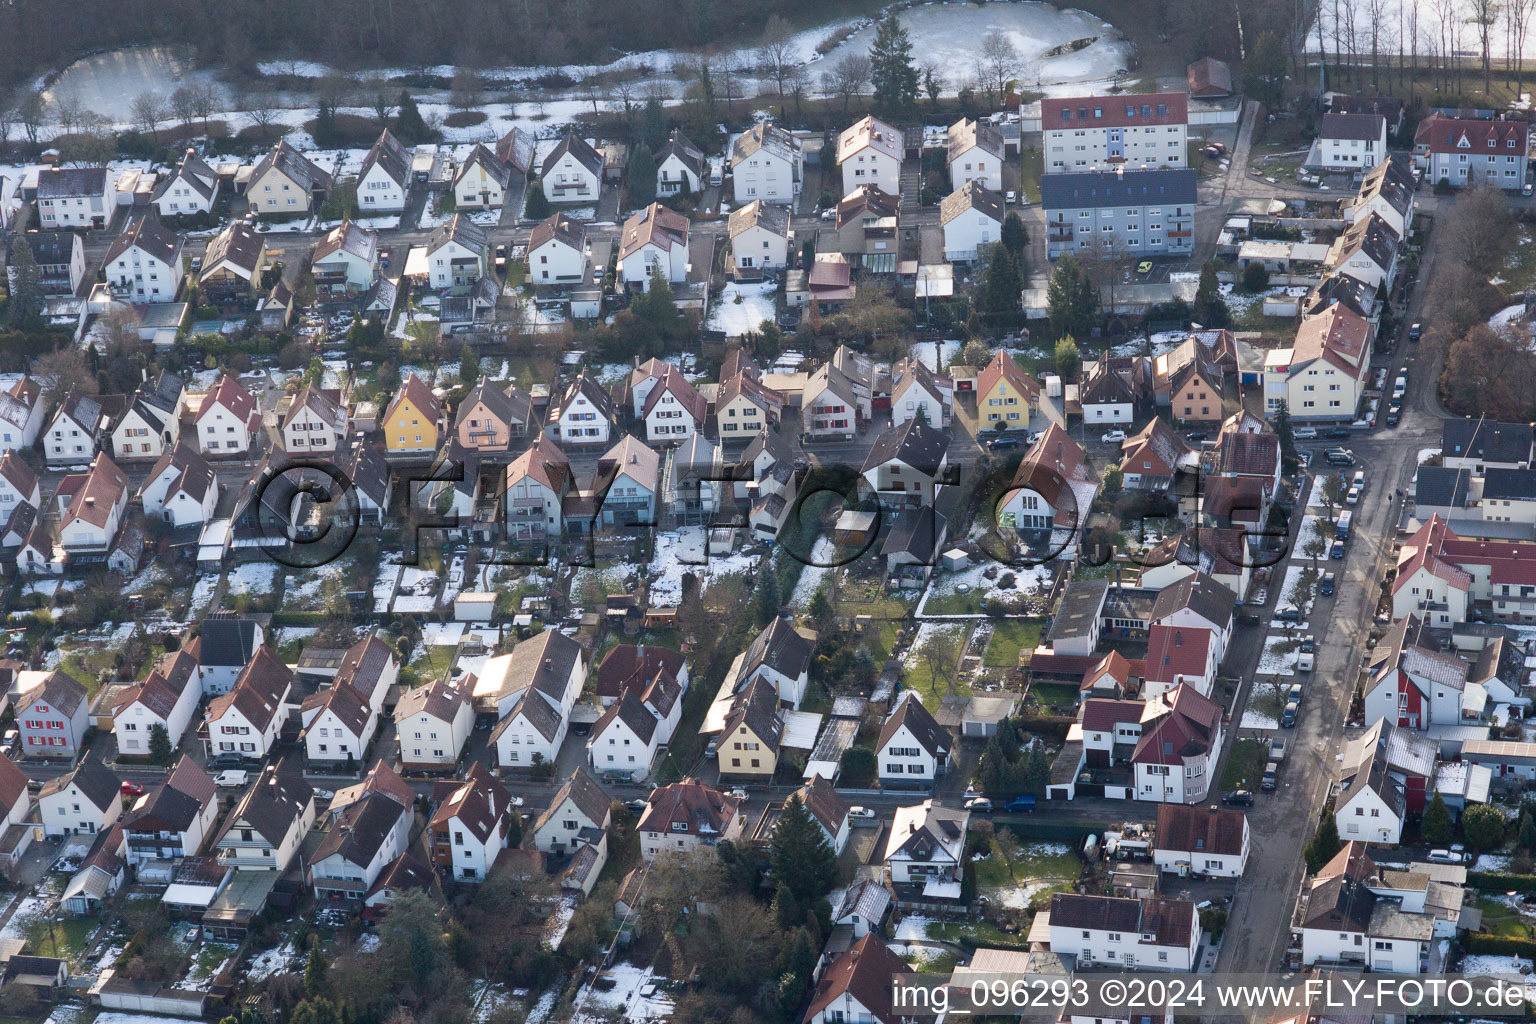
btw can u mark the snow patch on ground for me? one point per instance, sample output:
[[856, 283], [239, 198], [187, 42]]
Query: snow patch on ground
[[936, 355], [272, 961], [682, 551], [926, 633], [741, 308]]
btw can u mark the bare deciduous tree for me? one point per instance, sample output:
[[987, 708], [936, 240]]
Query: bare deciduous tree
[[1519, 14], [777, 54], [149, 112], [999, 60], [381, 98], [261, 109], [465, 92], [68, 114], [184, 104], [847, 78], [62, 369], [1484, 15], [32, 114]]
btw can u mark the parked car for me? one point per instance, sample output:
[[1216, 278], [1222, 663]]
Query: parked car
[[1352, 497], [1012, 197], [1308, 644], [131, 789], [1000, 443], [860, 812], [979, 805], [1288, 716], [1337, 551], [1144, 267], [232, 779], [1340, 432], [637, 805], [1359, 480], [1271, 777], [1293, 695], [1444, 857], [1196, 435], [1415, 332], [1394, 416], [1113, 436], [1277, 749], [1305, 433], [1339, 457], [1024, 803], [1238, 798], [1327, 589], [738, 793]]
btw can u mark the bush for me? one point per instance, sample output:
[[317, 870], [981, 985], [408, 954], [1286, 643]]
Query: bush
[[1498, 881], [1255, 278], [858, 767], [464, 119], [1499, 945]]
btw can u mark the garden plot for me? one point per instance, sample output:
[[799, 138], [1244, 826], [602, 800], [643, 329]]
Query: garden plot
[[273, 961], [1266, 699], [963, 592], [1014, 874], [936, 355], [1280, 657], [742, 308], [823, 555], [305, 591], [679, 552], [418, 591], [625, 996], [251, 578], [927, 633]]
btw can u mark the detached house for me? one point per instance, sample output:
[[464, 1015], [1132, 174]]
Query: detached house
[[489, 418], [578, 808], [1179, 656], [52, 718], [370, 668], [91, 506], [972, 219], [557, 252], [385, 176], [346, 261], [907, 464], [21, 414], [686, 815], [1386, 192], [870, 152], [151, 424], [1323, 376], [673, 410], [1051, 491], [655, 240], [868, 228], [143, 264], [766, 163], [433, 723], [410, 423], [469, 828], [171, 822], [1352, 913], [285, 182], [458, 255], [631, 667], [245, 721], [745, 408], [316, 421], [338, 723], [72, 435], [1472, 152], [913, 749], [83, 802], [1151, 458], [572, 172], [1203, 842], [1367, 251], [627, 481], [1144, 934], [975, 153], [537, 482], [74, 197], [917, 393], [192, 188], [232, 266], [1179, 744], [227, 419], [1413, 684], [18, 485], [268, 825], [781, 655], [1349, 142], [584, 415], [625, 739], [166, 699], [857, 987], [1005, 394], [226, 645], [60, 259], [366, 836], [829, 405], [482, 181], [532, 690], [1197, 602], [759, 236], [828, 808], [680, 166], [926, 848]]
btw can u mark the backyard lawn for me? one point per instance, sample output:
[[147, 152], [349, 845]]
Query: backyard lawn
[[1009, 637], [1026, 862], [976, 933], [1053, 694], [1501, 919], [1245, 765]]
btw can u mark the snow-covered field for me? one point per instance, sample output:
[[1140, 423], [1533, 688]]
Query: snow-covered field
[[740, 308], [272, 961], [625, 996], [1279, 657], [812, 576], [1028, 580], [937, 355], [682, 551], [1255, 717]]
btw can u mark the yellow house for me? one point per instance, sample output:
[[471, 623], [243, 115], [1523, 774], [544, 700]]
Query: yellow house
[[743, 407], [749, 744], [285, 182], [410, 423], [1005, 394]]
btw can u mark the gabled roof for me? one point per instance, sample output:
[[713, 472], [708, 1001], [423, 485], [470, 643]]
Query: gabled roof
[[968, 133], [862, 974], [1182, 724], [162, 689], [1486, 440], [349, 238], [930, 735], [916, 532], [632, 667], [364, 662], [152, 238], [227, 640], [345, 702], [419, 395], [389, 155], [655, 225], [634, 714], [824, 803], [633, 458], [18, 474], [1128, 111], [176, 805], [1202, 595], [273, 805], [290, 162], [495, 169], [194, 171], [1156, 443], [408, 871], [559, 227], [441, 700], [1050, 466], [515, 149], [756, 708], [914, 444], [765, 137], [192, 473], [867, 201], [1175, 651], [97, 493], [583, 791], [480, 803], [503, 405], [360, 830], [578, 148], [1389, 180], [1003, 368], [542, 663], [258, 692], [1217, 830], [1440, 134], [1371, 236], [672, 382], [1084, 190], [686, 153], [594, 392], [239, 245], [926, 831], [95, 781], [544, 462], [758, 214], [972, 195], [381, 778], [317, 401], [780, 647], [71, 182], [459, 229], [80, 408], [230, 394], [870, 134], [1363, 127], [13, 785], [700, 809]]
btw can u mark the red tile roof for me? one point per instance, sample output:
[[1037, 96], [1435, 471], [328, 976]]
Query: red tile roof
[[1174, 651]]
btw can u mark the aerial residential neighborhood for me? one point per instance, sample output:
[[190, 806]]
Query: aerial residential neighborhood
[[690, 516]]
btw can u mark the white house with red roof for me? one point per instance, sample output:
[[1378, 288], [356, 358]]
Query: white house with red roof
[[1413, 684], [18, 483], [1440, 574], [686, 815], [168, 697], [1178, 656], [673, 410], [1323, 375], [1175, 758], [91, 507], [1051, 491], [1467, 152], [227, 419], [870, 152]]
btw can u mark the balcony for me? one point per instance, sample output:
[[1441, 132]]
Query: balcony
[[1180, 234]]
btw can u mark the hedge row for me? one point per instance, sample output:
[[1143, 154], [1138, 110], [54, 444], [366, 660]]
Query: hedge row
[[1497, 881], [1499, 945], [296, 618]]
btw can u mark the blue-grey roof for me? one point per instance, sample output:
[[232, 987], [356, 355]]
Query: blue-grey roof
[[1089, 189]]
